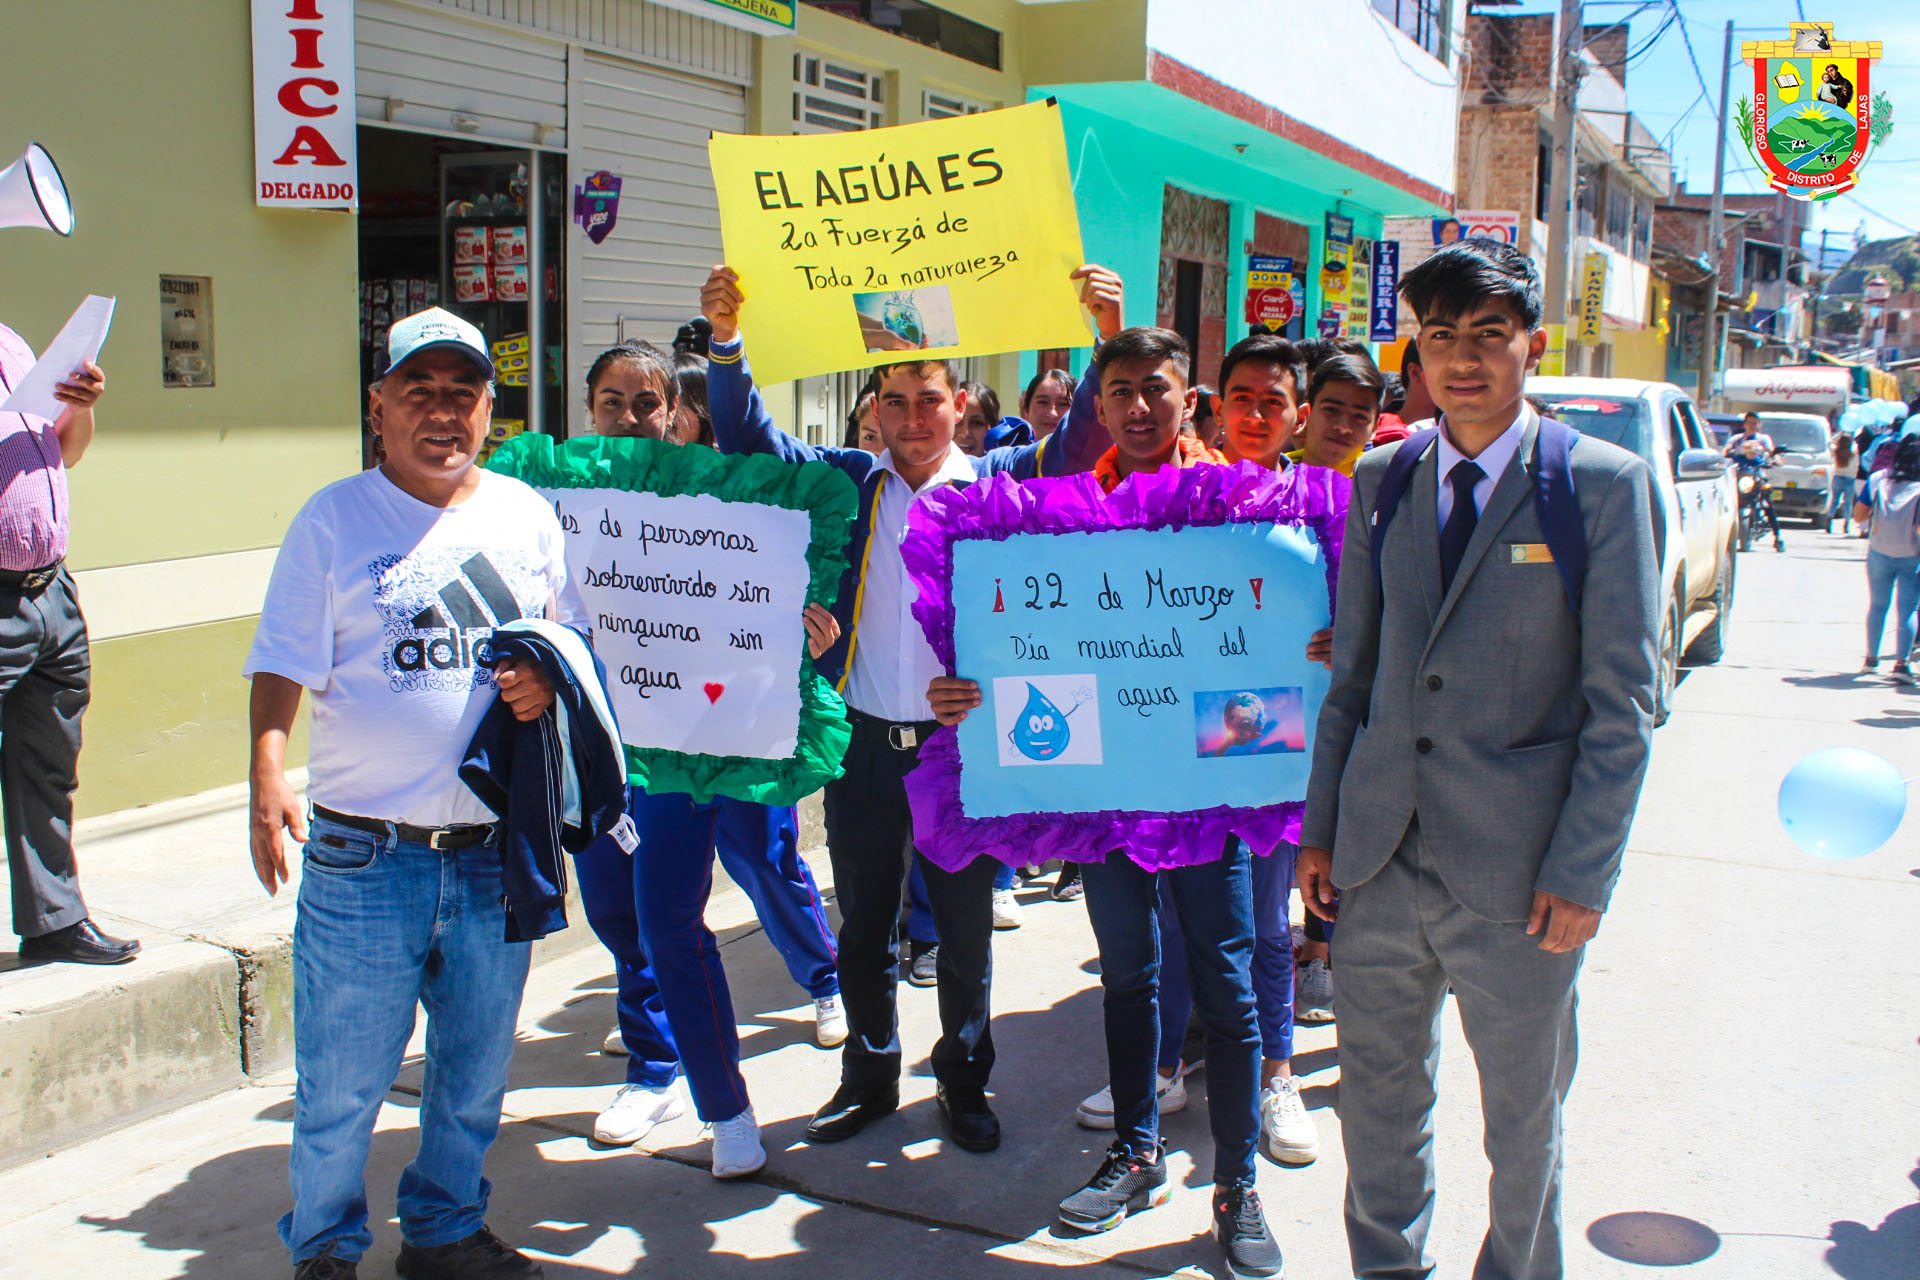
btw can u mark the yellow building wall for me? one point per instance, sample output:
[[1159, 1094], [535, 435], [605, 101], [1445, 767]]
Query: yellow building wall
[[147, 108], [1642, 353]]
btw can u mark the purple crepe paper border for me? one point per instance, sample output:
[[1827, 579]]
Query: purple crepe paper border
[[1000, 507]]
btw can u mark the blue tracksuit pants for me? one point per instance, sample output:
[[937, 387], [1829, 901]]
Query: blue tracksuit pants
[[676, 1015]]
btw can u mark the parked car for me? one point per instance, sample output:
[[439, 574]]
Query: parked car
[[1659, 422], [1801, 479]]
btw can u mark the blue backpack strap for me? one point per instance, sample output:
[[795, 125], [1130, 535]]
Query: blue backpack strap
[[1557, 508], [1393, 487]]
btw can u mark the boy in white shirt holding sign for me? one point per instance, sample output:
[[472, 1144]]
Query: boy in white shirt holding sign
[[383, 602]]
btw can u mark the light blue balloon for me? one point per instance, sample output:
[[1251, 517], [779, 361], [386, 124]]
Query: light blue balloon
[[1852, 420], [1842, 802]]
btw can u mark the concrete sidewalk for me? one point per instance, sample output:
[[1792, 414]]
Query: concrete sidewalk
[[1746, 1104], [208, 1003]]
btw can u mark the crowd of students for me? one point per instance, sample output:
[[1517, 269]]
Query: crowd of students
[[1210, 933]]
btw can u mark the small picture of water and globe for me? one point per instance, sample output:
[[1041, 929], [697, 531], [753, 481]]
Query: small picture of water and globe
[[1249, 722]]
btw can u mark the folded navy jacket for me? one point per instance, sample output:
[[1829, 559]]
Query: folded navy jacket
[[556, 783]]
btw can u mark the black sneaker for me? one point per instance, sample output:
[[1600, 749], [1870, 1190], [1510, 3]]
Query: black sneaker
[[481, 1256], [925, 969], [1902, 673], [327, 1266], [1068, 886], [1252, 1253], [1125, 1182]]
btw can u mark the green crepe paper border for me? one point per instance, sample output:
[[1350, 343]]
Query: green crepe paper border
[[653, 466]]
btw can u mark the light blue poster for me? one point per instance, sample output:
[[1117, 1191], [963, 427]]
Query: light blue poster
[[1139, 670]]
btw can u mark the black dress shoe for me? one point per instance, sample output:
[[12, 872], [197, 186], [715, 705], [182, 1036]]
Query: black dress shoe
[[80, 943], [970, 1121], [852, 1108], [481, 1256]]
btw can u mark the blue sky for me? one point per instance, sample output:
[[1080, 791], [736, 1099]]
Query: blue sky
[[1664, 92]]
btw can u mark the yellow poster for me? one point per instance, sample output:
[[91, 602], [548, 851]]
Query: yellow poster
[[1593, 295], [951, 238]]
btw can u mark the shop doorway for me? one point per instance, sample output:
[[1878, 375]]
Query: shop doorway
[[1193, 276], [478, 230]]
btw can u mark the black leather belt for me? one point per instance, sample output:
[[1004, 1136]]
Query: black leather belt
[[444, 839], [29, 579], [901, 735]]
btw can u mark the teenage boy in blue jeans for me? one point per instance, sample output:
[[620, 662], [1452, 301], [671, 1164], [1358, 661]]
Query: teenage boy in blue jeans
[[1145, 393]]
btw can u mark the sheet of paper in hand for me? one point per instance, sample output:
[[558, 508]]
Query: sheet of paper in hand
[[695, 568], [1141, 660], [950, 237]]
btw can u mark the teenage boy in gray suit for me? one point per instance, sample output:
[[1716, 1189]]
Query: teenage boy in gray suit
[[1476, 768]]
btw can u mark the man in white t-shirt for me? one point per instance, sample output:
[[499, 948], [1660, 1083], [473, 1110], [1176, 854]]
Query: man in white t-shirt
[[383, 602]]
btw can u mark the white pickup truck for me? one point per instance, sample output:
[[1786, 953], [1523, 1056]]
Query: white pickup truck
[[1659, 421]]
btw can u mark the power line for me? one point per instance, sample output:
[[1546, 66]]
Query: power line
[[1848, 195], [1694, 61]]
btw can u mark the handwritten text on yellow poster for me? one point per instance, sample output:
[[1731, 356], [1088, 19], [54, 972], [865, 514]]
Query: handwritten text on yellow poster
[[952, 238]]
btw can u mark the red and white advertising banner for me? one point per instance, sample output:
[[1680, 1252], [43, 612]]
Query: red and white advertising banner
[[303, 112]]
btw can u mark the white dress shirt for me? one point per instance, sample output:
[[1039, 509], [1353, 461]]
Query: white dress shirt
[[892, 661], [1492, 461]]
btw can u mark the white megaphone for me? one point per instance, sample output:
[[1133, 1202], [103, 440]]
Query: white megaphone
[[32, 193]]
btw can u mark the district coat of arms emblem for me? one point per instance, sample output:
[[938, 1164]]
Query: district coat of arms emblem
[[1813, 117]]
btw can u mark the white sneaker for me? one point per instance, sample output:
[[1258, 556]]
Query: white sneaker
[[1007, 913], [634, 1112], [1313, 992], [1291, 1137], [1096, 1111], [829, 1021], [736, 1146], [613, 1046]]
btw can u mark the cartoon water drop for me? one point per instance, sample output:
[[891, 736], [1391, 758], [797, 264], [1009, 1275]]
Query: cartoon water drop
[[1041, 732]]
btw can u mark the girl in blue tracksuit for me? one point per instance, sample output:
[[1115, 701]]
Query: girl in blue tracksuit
[[649, 908]]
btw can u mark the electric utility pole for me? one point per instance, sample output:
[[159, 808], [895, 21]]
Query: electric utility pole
[[1560, 189], [1716, 237]]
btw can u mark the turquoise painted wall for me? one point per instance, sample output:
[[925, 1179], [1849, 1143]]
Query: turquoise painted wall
[[1120, 170]]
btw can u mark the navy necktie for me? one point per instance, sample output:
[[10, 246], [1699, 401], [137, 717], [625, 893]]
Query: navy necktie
[[1458, 530]]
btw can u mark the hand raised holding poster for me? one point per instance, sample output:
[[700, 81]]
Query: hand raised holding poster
[[950, 237], [698, 570]]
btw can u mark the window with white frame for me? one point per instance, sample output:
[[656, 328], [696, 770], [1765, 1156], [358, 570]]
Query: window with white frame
[[831, 97], [937, 104]]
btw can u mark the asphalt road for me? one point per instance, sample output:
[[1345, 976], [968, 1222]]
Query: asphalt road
[[1748, 1101]]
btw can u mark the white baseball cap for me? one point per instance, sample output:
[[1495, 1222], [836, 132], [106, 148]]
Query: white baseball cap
[[435, 328]]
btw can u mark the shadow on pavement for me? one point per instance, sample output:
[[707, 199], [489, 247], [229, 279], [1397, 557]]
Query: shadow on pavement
[[1890, 1251], [1653, 1239]]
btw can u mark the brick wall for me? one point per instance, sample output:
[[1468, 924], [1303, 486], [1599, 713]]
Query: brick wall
[[1499, 158], [1511, 58], [1608, 45]]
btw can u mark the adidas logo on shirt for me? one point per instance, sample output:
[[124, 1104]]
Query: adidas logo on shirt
[[441, 612]]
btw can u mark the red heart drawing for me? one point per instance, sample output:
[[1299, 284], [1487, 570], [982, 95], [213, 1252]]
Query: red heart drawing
[[714, 691]]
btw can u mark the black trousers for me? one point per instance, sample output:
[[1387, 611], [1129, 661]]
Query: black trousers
[[869, 841], [45, 675]]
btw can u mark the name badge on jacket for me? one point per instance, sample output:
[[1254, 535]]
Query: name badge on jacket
[[1530, 553]]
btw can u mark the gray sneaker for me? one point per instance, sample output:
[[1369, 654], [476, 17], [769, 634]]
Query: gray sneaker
[[1313, 992]]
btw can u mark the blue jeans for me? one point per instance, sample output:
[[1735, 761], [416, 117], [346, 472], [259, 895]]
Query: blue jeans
[[1892, 579], [1842, 504], [1213, 903], [1271, 970], [759, 846], [384, 926]]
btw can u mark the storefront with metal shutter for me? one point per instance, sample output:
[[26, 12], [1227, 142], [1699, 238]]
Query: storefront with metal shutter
[[479, 122]]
